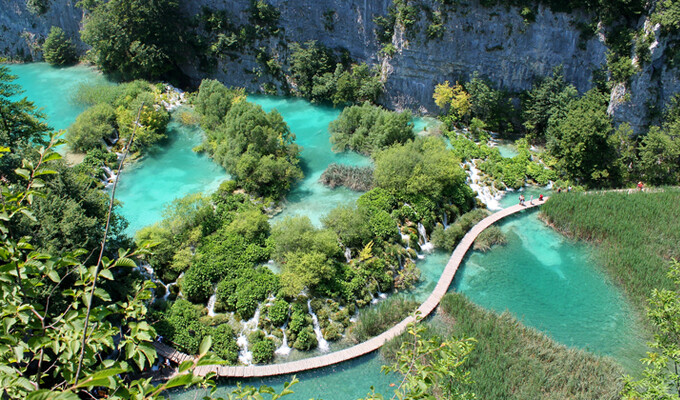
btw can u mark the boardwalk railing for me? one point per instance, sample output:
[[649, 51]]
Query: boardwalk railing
[[370, 345]]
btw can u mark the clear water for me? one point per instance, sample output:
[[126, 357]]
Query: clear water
[[310, 124], [545, 279], [552, 284], [346, 381], [52, 89], [171, 172]]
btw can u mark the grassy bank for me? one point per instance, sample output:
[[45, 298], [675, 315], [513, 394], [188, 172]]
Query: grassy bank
[[373, 321], [637, 234], [511, 361]]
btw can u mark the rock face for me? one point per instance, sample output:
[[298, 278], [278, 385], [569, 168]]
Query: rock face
[[495, 42], [22, 33]]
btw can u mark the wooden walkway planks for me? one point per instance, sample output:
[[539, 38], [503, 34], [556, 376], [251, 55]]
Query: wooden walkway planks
[[370, 345]]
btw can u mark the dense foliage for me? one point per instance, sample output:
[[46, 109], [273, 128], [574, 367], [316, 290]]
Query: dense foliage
[[255, 147], [112, 115], [367, 129], [321, 76], [134, 38], [58, 49]]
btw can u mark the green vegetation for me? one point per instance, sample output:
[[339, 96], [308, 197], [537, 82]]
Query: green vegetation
[[448, 238], [511, 361], [638, 233], [112, 115], [58, 49], [660, 379], [376, 320], [355, 178], [367, 129], [321, 76], [255, 147], [134, 38], [490, 237]]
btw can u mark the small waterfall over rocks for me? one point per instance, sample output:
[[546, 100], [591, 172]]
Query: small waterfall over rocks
[[348, 254], [109, 176], [245, 356], [284, 349], [483, 192], [426, 246], [211, 305], [323, 344]]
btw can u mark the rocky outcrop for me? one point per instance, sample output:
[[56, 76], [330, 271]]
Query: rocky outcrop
[[496, 42], [22, 33]]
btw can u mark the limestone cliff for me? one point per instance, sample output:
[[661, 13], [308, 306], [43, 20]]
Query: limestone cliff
[[497, 42]]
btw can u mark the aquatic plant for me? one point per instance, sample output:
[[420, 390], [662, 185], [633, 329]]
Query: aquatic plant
[[489, 237], [359, 179], [375, 320]]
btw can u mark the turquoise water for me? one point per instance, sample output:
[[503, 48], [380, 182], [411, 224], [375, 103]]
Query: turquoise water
[[347, 381], [552, 284], [173, 171], [52, 89], [310, 124]]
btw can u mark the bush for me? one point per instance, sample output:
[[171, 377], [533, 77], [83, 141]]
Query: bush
[[278, 312], [489, 237], [366, 129], [224, 343], [91, 128], [58, 49], [306, 339], [263, 351]]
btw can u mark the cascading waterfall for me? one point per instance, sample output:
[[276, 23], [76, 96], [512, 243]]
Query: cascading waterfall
[[426, 246], [348, 254], [245, 356], [483, 192], [284, 349], [211, 305], [109, 176], [445, 220], [323, 344]]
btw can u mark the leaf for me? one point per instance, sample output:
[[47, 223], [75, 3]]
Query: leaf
[[106, 274], [125, 262], [51, 157], [205, 345], [24, 173], [180, 380], [54, 276], [102, 294]]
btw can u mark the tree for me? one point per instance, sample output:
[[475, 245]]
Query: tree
[[58, 49], [308, 61], [659, 153], [661, 379], [453, 100], [305, 270], [21, 125], [92, 127], [135, 38], [367, 129], [213, 102], [582, 142], [550, 96]]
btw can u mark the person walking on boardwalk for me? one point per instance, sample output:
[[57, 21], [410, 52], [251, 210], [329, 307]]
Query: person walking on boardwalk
[[640, 186], [531, 200], [540, 197], [521, 199]]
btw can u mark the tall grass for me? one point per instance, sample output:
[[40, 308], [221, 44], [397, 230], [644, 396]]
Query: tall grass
[[375, 320], [637, 234], [354, 178], [511, 361]]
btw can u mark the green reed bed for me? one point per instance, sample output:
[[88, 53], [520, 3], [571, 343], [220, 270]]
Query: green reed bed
[[373, 321], [637, 233], [512, 361]]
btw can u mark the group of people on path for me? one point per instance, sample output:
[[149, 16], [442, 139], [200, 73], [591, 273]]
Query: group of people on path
[[531, 201]]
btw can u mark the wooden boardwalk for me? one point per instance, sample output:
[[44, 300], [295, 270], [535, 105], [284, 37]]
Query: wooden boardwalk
[[362, 348]]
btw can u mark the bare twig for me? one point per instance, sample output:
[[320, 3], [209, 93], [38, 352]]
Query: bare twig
[[103, 244]]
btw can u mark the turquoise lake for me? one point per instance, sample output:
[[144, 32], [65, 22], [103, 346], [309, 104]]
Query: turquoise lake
[[550, 282]]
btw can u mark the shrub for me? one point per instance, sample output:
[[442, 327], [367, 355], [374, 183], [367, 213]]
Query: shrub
[[375, 320], [263, 351], [91, 128], [354, 178], [489, 237], [306, 339], [58, 49], [278, 312], [224, 343]]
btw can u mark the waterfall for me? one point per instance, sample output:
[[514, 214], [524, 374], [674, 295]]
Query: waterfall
[[348, 254], [167, 290], [211, 305], [323, 344], [426, 247], [284, 349], [483, 192], [109, 176], [245, 356], [445, 220]]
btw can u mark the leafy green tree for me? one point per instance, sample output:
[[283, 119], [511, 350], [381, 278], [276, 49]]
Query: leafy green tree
[[298, 234], [307, 61], [549, 97], [368, 128], [305, 270], [659, 153], [92, 127], [582, 142], [453, 100], [258, 149], [21, 125], [135, 38], [489, 105], [58, 49], [213, 102], [661, 379]]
